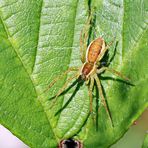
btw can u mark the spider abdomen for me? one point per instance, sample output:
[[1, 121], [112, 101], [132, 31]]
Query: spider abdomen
[[94, 49]]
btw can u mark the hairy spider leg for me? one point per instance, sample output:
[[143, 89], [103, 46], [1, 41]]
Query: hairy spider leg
[[102, 97], [100, 87], [60, 76], [90, 90], [84, 38], [64, 87], [114, 53], [113, 72]]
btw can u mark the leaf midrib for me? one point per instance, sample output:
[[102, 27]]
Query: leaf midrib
[[74, 26]]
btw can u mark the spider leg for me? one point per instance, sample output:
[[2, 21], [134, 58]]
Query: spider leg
[[102, 97], [110, 43], [84, 38], [64, 87], [90, 89], [100, 70], [114, 72], [60, 76]]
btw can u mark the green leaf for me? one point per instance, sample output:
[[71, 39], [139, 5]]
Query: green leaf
[[145, 143], [39, 40]]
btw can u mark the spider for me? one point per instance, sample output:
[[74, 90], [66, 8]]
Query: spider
[[91, 69]]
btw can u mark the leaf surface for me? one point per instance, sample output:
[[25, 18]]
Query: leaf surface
[[39, 40]]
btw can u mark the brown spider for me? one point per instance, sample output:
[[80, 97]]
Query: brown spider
[[91, 67]]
